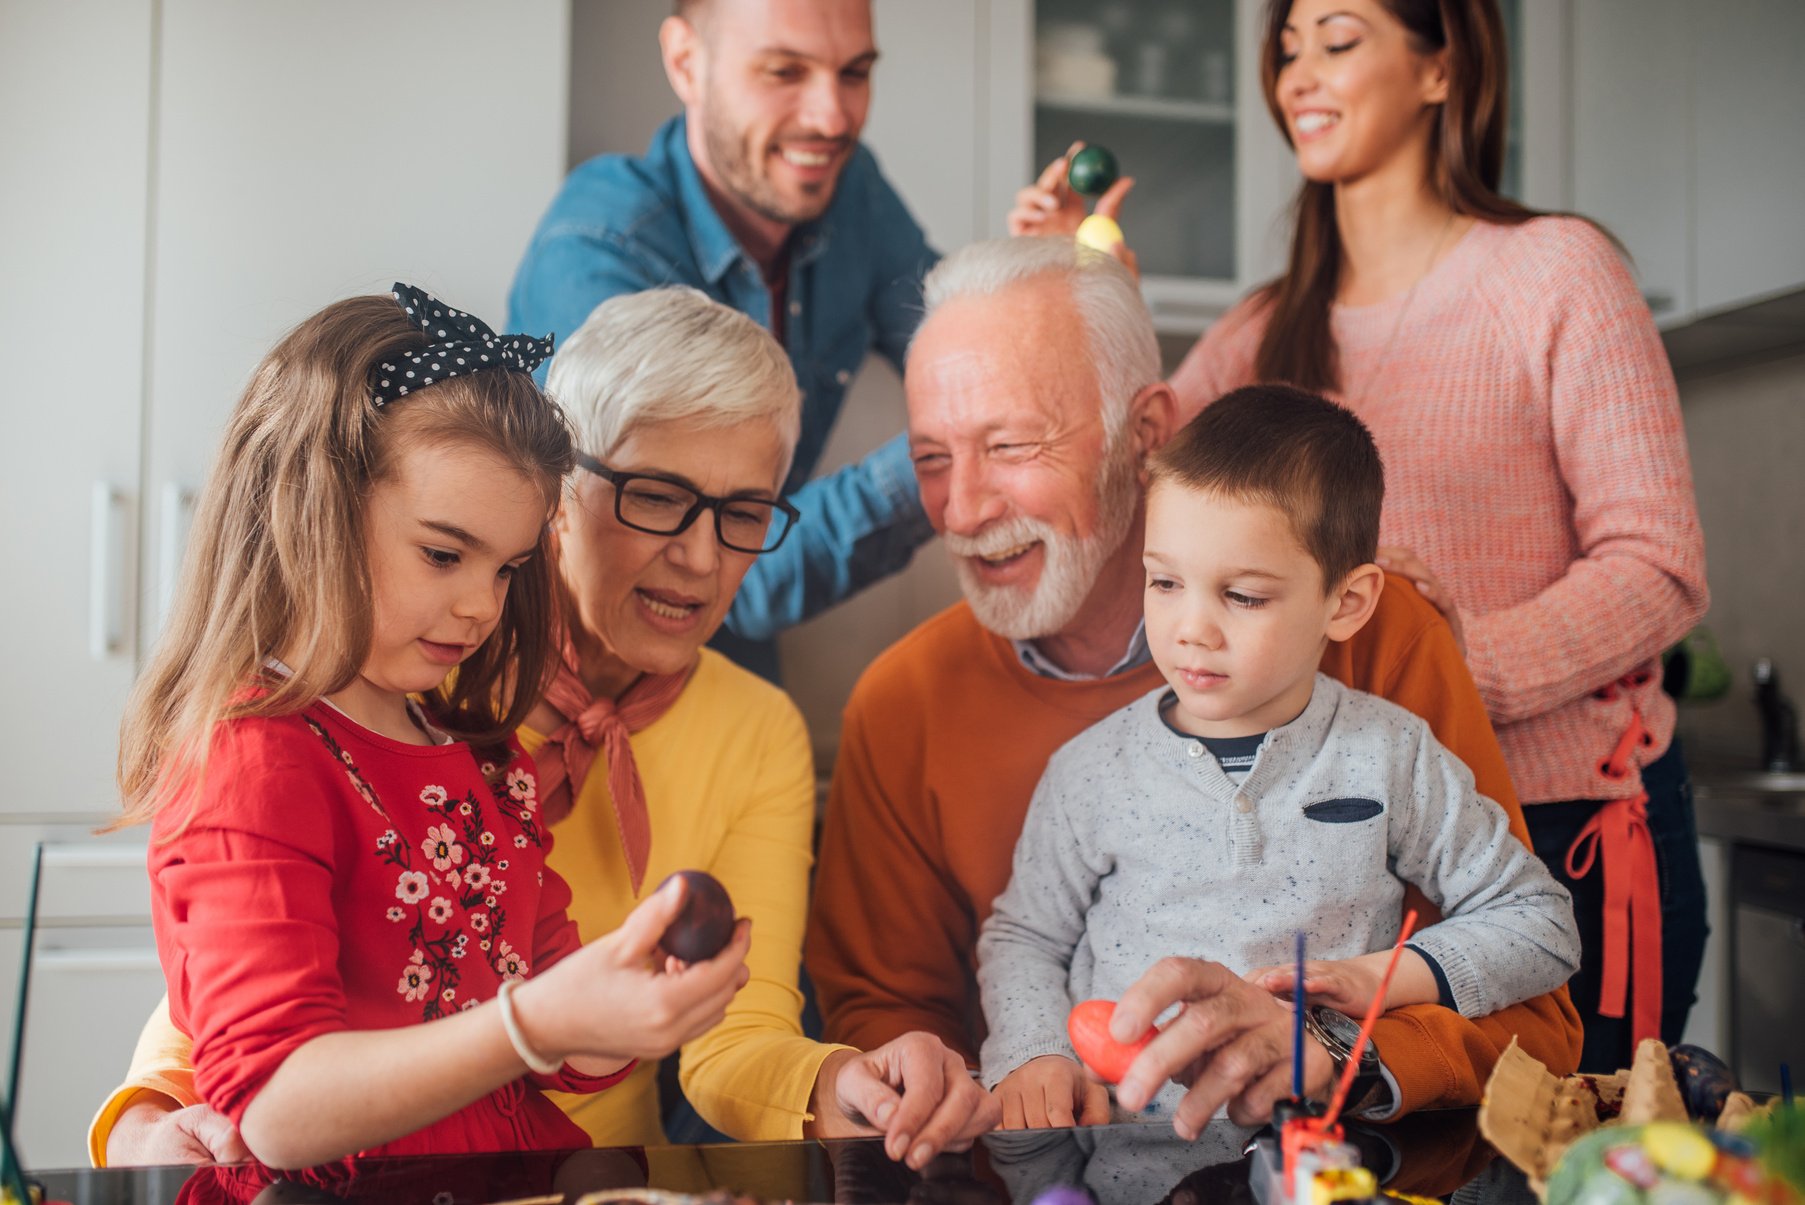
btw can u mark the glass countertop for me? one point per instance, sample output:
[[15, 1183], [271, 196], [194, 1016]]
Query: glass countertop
[[1434, 1154]]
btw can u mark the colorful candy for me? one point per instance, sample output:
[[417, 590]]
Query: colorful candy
[[1679, 1150]]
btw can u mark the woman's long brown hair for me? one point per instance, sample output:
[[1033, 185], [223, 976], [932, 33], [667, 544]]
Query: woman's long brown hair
[[277, 565], [1466, 163]]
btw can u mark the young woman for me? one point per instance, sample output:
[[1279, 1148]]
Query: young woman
[[1537, 482]]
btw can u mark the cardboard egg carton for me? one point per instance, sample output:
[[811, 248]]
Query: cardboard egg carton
[[1531, 1116]]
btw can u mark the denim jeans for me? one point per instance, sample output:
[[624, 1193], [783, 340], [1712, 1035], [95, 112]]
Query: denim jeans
[[1553, 827]]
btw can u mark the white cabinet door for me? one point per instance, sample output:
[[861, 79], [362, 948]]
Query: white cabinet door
[[1632, 138], [926, 93], [1750, 87], [91, 989], [94, 978], [74, 171], [308, 152]]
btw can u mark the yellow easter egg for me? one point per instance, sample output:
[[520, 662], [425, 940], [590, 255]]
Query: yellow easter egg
[[1100, 232], [1679, 1150]]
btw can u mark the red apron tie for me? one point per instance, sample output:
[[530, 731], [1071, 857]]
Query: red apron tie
[[1632, 890]]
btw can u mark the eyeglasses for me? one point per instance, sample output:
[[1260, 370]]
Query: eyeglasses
[[650, 503]]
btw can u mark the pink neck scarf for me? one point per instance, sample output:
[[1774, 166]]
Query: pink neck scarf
[[565, 759]]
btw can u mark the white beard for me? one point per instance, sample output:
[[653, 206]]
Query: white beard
[[1071, 566]]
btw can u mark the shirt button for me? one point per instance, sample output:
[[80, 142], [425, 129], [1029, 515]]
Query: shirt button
[[1243, 804], [795, 308], [1194, 749], [842, 377]]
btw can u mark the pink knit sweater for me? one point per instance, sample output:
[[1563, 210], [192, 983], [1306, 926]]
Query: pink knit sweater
[[1535, 460]]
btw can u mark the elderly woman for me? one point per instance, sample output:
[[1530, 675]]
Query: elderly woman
[[657, 754]]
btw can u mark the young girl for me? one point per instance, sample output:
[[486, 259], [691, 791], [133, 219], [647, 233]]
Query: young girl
[[347, 859]]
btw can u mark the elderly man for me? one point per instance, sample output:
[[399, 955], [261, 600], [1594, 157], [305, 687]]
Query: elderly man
[[1034, 400], [761, 196]]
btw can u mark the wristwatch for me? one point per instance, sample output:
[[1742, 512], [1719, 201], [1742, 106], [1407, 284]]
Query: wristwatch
[[1337, 1032]]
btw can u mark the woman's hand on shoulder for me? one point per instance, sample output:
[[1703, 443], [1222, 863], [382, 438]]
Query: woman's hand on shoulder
[[914, 1090], [620, 997], [1407, 564], [152, 1131]]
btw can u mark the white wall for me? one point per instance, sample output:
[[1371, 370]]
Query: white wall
[[1746, 428]]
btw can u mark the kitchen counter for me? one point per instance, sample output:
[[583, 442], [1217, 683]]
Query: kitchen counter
[[1758, 916], [1430, 1154], [1749, 807]]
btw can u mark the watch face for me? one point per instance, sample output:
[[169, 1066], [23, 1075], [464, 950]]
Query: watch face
[[1342, 1027]]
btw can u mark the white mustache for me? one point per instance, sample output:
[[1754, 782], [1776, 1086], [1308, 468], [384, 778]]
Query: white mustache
[[999, 538]]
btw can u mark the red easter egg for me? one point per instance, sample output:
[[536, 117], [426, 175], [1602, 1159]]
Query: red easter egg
[[1088, 1027]]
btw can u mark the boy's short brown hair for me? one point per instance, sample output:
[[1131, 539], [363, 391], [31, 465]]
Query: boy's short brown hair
[[1295, 451]]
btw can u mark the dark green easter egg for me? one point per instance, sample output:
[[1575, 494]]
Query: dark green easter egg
[[1092, 171]]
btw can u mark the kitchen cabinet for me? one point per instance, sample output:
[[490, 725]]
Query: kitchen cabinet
[[401, 141], [1632, 139], [1708, 1024], [1749, 160], [1683, 148], [75, 82], [95, 977], [1173, 88], [195, 177], [180, 197]]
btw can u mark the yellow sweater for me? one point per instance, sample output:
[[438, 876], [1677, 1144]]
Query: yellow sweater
[[730, 786]]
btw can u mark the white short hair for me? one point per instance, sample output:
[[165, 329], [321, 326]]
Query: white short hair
[[1116, 321], [671, 354]]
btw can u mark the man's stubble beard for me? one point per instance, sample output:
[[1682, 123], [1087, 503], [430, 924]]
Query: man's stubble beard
[[727, 154]]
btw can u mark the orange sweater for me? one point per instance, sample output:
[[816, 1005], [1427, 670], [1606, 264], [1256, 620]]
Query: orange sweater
[[944, 738]]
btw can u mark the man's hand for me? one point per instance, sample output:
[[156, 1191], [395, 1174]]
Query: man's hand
[[913, 1090], [151, 1132], [1229, 1045], [1051, 1090]]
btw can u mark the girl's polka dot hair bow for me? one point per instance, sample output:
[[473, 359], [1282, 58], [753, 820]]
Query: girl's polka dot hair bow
[[460, 345]]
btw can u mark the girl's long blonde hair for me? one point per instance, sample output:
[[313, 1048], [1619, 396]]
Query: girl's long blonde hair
[[277, 565]]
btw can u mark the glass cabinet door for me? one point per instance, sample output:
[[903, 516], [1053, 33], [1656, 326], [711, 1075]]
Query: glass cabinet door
[[1153, 81], [1171, 88]]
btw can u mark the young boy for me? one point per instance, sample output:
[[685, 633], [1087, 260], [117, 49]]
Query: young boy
[[1252, 797]]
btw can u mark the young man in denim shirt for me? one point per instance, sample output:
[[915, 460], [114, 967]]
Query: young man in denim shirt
[[761, 195]]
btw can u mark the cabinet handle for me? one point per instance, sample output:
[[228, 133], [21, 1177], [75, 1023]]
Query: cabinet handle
[[177, 513], [106, 573], [123, 958], [1658, 301]]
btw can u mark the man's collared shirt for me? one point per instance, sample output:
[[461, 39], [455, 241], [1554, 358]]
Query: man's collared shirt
[[1138, 654], [622, 224]]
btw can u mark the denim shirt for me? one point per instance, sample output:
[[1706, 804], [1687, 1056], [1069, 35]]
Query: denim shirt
[[622, 224]]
